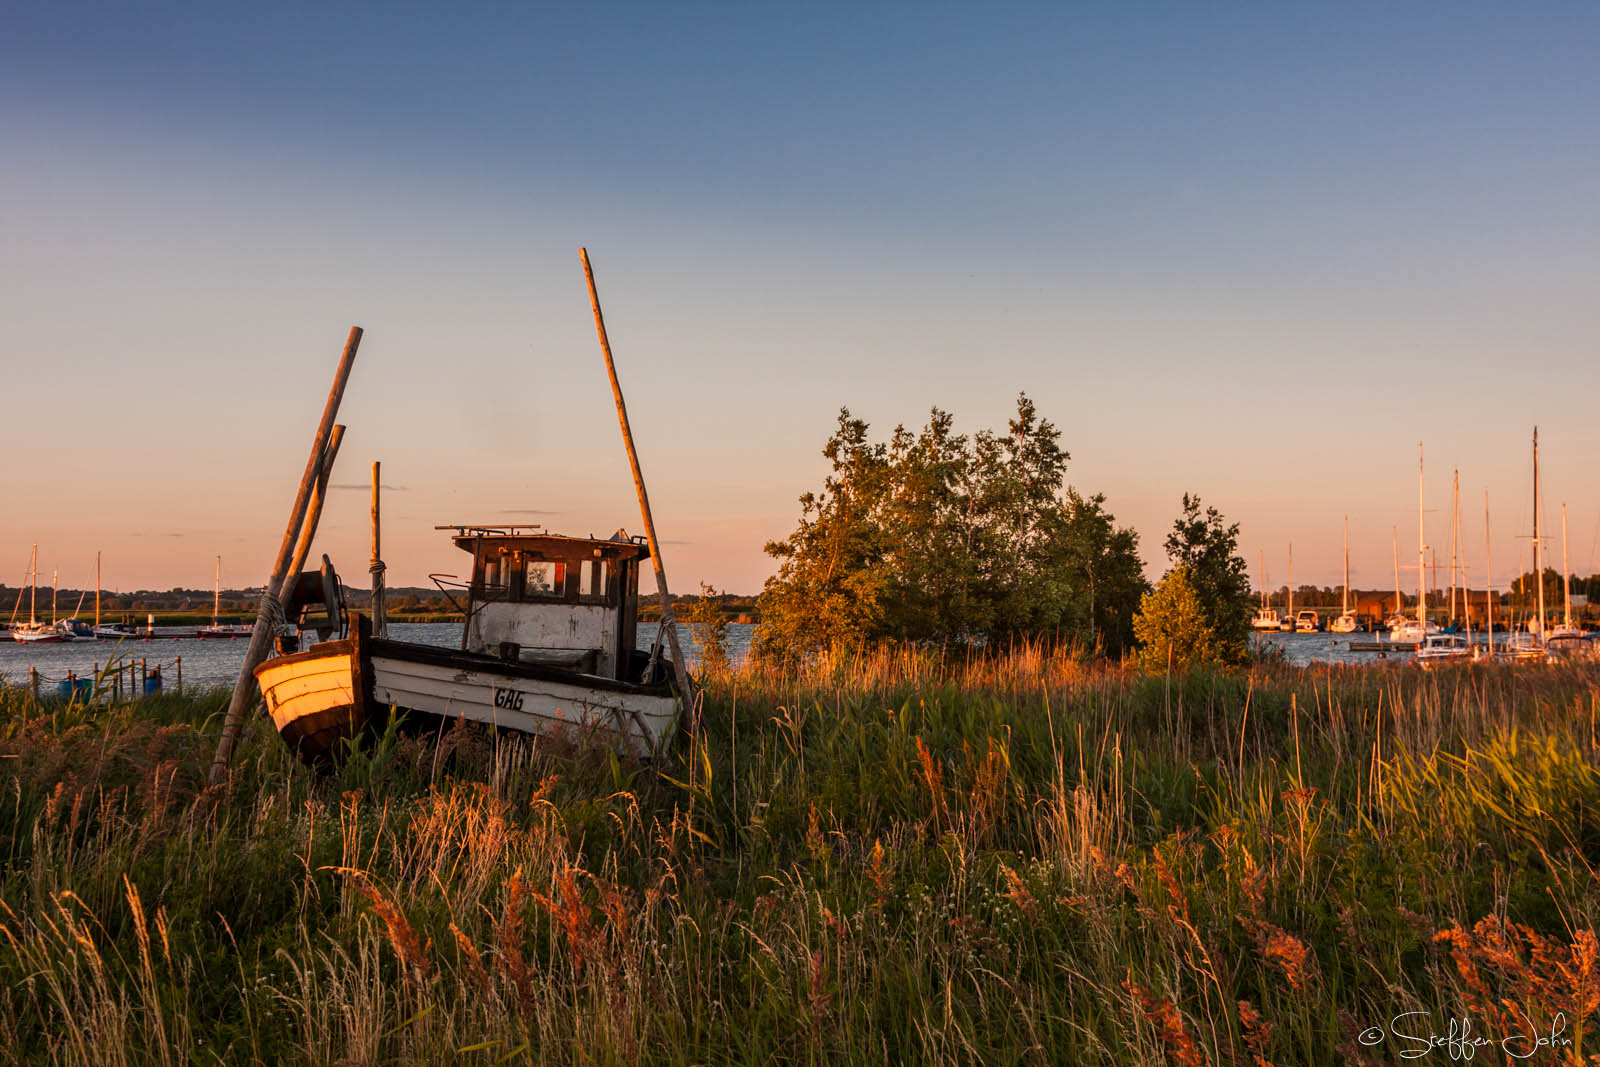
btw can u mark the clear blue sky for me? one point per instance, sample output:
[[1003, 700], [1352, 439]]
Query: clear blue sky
[[1256, 252]]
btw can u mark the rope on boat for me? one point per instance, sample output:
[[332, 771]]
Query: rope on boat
[[272, 611]]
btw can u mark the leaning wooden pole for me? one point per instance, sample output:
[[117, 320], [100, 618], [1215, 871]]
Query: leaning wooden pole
[[380, 615], [308, 534], [679, 667], [271, 607]]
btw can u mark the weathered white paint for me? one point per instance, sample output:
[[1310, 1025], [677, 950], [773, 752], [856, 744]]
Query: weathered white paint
[[548, 626], [639, 719]]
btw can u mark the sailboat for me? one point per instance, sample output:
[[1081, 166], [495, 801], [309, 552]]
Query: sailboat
[[34, 631], [217, 629], [1266, 618], [1346, 623], [74, 628], [106, 631], [1397, 618], [1417, 630], [1287, 625], [1530, 646], [1567, 637]]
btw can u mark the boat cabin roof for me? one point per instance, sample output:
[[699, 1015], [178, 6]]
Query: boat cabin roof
[[532, 541]]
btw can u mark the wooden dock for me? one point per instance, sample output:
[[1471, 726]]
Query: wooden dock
[[1383, 646]]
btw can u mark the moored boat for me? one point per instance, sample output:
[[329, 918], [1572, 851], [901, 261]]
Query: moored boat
[[33, 631], [1437, 648], [1266, 619], [76, 629], [547, 646], [217, 629]]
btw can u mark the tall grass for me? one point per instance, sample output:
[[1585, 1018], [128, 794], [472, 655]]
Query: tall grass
[[888, 858]]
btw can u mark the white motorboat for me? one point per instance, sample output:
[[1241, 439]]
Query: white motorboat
[[1439, 648]]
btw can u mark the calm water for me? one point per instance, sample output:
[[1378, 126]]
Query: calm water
[[216, 662], [1304, 649]]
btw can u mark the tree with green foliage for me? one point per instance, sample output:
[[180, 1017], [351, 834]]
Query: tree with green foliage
[[708, 624], [1174, 628], [1201, 544], [940, 537]]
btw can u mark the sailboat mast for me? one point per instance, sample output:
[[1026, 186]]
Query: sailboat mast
[[1344, 594], [33, 587], [1538, 550], [1566, 573], [55, 576], [97, 591], [1422, 552], [1488, 577], [216, 595], [1263, 579], [1455, 540], [1291, 581], [1394, 533]]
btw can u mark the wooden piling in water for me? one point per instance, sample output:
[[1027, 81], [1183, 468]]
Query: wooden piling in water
[[271, 605]]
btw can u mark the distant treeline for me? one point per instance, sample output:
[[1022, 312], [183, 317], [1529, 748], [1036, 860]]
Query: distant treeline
[[1522, 591], [401, 602]]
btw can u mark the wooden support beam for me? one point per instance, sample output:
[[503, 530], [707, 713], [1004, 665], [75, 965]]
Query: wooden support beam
[[380, 614], [680, 668], [244, 688], [319, 496]]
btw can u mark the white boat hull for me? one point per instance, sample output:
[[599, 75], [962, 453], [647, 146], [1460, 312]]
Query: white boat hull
[[341, 689], [528, 705]]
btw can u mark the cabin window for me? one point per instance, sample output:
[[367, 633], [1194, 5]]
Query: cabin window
[[544, 578], [592, 575]]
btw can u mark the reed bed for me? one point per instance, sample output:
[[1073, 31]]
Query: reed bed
[[893, 857]]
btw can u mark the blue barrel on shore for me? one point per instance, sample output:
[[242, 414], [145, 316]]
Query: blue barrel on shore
[[83, 688], [152, 684]]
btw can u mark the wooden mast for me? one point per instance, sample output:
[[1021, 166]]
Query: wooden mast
[[271, 604], [679, 667], [319, 497], [380, 617], [97, 594]]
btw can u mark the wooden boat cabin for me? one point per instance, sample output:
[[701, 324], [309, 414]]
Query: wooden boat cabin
[[555, 601]]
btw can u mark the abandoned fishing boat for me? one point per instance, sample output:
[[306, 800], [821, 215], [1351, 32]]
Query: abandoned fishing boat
[[548, 645]]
